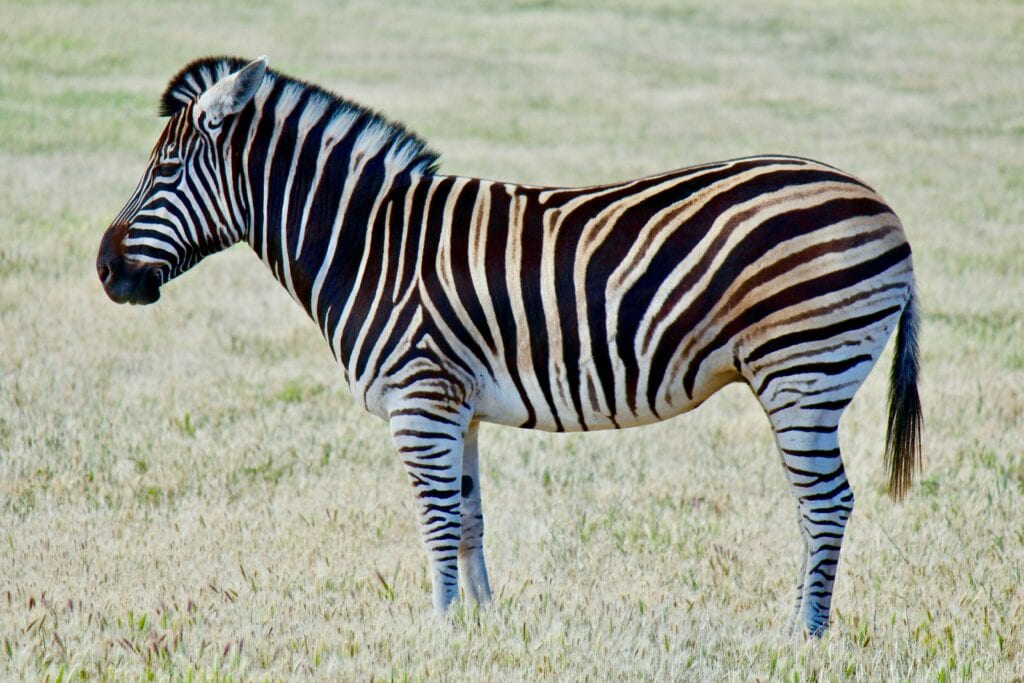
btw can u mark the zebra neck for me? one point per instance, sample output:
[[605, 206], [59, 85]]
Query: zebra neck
[[320, 230]]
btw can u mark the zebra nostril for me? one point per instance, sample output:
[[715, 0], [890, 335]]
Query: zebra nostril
[[106, 273]]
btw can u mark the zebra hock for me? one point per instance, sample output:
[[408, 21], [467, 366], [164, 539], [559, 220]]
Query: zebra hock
[[448, 301]]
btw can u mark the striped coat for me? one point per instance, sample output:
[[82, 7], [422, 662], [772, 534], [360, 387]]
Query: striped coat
[[448, 301]]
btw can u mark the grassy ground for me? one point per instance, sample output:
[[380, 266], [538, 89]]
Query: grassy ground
[[187, 491]]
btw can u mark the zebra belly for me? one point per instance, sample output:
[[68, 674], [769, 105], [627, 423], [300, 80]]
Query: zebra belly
[[500, 401]]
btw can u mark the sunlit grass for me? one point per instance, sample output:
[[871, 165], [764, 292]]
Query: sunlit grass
[[187, 490]]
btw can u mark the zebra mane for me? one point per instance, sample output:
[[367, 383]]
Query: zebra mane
[[379, 132]]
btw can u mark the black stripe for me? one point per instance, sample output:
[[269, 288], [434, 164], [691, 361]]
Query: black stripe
[[819, 333], [417, 434], [361, 240], [438, 494], [383, 309], [531, 280], [801, 428], [280, 168], [827, 405], [302, 278], [833, 368], [825, 495], [256, 167], [496, 257], [419, 412], [399, 329], [459, 249], [816, 453]]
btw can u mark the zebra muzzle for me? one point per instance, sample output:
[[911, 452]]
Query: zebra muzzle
[[124, 281], [129, 284]]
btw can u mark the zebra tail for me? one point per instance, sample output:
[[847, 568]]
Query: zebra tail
[[903, 434]]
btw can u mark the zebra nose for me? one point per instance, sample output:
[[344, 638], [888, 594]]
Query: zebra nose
[[106, 273], [107, 268], [108, 257]]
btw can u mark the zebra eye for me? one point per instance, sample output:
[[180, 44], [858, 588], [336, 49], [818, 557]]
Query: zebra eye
[[166, 169]]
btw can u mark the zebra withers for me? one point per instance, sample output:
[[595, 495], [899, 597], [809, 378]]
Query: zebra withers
[[448, 300]]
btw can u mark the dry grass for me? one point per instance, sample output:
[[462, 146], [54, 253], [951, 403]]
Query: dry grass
[[186, 491]]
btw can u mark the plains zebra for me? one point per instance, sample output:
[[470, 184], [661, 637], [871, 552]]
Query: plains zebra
[[451, 300]]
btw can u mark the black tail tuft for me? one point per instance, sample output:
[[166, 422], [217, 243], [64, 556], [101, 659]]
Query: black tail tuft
[[903, 435]]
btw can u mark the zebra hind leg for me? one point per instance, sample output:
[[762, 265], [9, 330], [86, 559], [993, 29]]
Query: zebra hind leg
[[808, 440], [472, 568]]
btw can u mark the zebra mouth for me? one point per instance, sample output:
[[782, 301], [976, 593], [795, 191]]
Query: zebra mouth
[[131, 285], [127, 283]]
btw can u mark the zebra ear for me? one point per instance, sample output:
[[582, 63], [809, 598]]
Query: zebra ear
[[230, 94]]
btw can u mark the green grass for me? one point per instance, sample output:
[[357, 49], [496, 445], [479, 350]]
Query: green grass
[[187, 491]]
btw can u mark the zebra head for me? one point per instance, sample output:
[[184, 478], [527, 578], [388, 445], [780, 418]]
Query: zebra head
[[184, 206]]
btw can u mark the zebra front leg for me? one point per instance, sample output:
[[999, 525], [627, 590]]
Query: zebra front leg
[[431, 442], [471, 548], [808, 440]]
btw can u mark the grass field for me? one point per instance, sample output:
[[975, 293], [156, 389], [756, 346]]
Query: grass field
[[187, 491]]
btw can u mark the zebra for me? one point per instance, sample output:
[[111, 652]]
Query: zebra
[[449, 301]]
